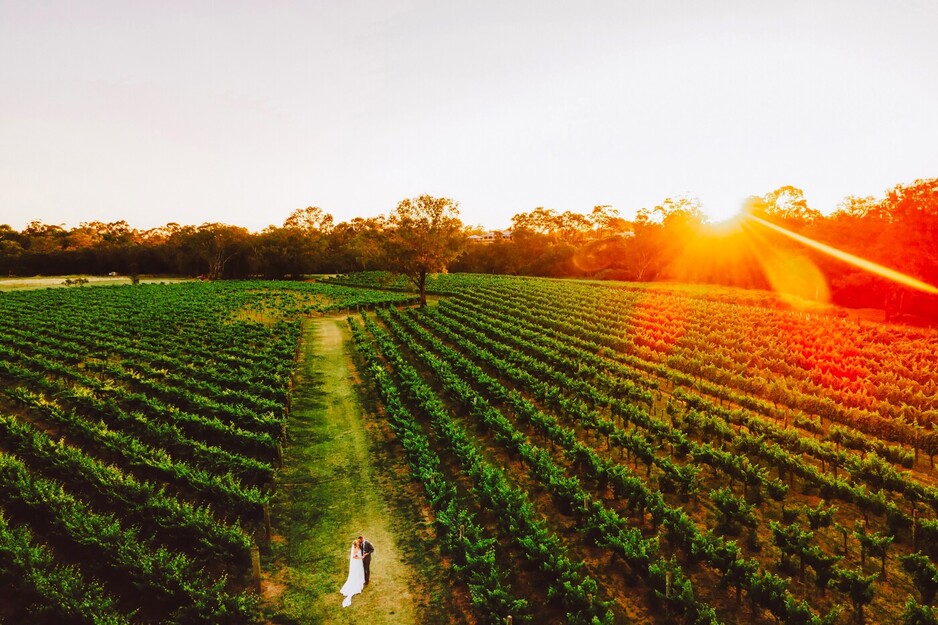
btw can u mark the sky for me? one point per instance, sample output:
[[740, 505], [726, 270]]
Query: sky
[[240, 112]]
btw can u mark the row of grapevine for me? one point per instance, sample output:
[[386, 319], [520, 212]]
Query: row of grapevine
[[714, 421], [678, 528], [573, 590], [461, 535]]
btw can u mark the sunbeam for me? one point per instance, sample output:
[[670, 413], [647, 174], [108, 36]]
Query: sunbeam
[[862, 263]]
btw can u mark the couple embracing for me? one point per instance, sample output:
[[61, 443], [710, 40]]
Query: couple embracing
[[359, 569]]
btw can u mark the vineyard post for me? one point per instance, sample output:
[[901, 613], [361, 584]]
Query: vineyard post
[[667, 585], [279, 455], [860, 536], [267, 523], [508, 620], [914, 523], [256, 566]]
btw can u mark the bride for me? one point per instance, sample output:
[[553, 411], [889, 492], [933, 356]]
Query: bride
[[356, 574]]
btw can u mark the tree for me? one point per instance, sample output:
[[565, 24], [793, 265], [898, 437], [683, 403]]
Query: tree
[[278, 252], [606, 221], [11, 248], [606, 255], [305, 233], [573, 228], [680, 212], [858, 208], [216, 245], [681, 222], [44, 238], [310, 219], [541, 220], [366, 241], [645, 249], [910, 244], [788, 205], [424, 235]]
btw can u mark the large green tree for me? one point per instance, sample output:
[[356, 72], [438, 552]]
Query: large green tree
[[424, 235]]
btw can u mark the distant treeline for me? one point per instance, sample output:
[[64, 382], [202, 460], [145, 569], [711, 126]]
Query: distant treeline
[[671, 241]]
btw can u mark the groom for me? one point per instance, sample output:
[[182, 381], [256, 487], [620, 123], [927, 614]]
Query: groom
[[367, 550]]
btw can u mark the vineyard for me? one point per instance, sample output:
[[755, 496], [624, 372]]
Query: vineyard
[[140, 433], [591, 453], [599, 454]]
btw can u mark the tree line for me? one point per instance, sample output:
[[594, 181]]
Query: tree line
[[671, 241]]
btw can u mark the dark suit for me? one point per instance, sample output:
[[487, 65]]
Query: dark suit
[[367, 550]]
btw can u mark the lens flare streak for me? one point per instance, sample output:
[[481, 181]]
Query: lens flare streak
[[862, 263]]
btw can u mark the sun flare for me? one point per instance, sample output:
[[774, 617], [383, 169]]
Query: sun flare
[[856, 261], [721, 211]]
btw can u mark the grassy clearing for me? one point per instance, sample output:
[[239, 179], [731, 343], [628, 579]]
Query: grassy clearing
[[339, 482], [44, 282]]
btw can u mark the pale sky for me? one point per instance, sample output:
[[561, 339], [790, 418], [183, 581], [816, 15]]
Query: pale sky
[[239, 112]]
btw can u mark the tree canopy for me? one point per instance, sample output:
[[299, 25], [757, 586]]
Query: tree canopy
[[424, 234]]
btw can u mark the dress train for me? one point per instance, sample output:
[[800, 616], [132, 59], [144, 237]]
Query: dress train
[[356, 577]]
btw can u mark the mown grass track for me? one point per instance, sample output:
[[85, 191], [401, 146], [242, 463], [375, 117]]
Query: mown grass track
[[338, 482]]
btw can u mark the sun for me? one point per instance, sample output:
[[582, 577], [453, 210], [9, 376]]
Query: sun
[[722, 210]]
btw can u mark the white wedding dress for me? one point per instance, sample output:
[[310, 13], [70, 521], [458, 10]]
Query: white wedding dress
[[356, 576]]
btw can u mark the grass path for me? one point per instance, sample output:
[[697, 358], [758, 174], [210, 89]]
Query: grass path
[[329, 493], [45, 282]]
